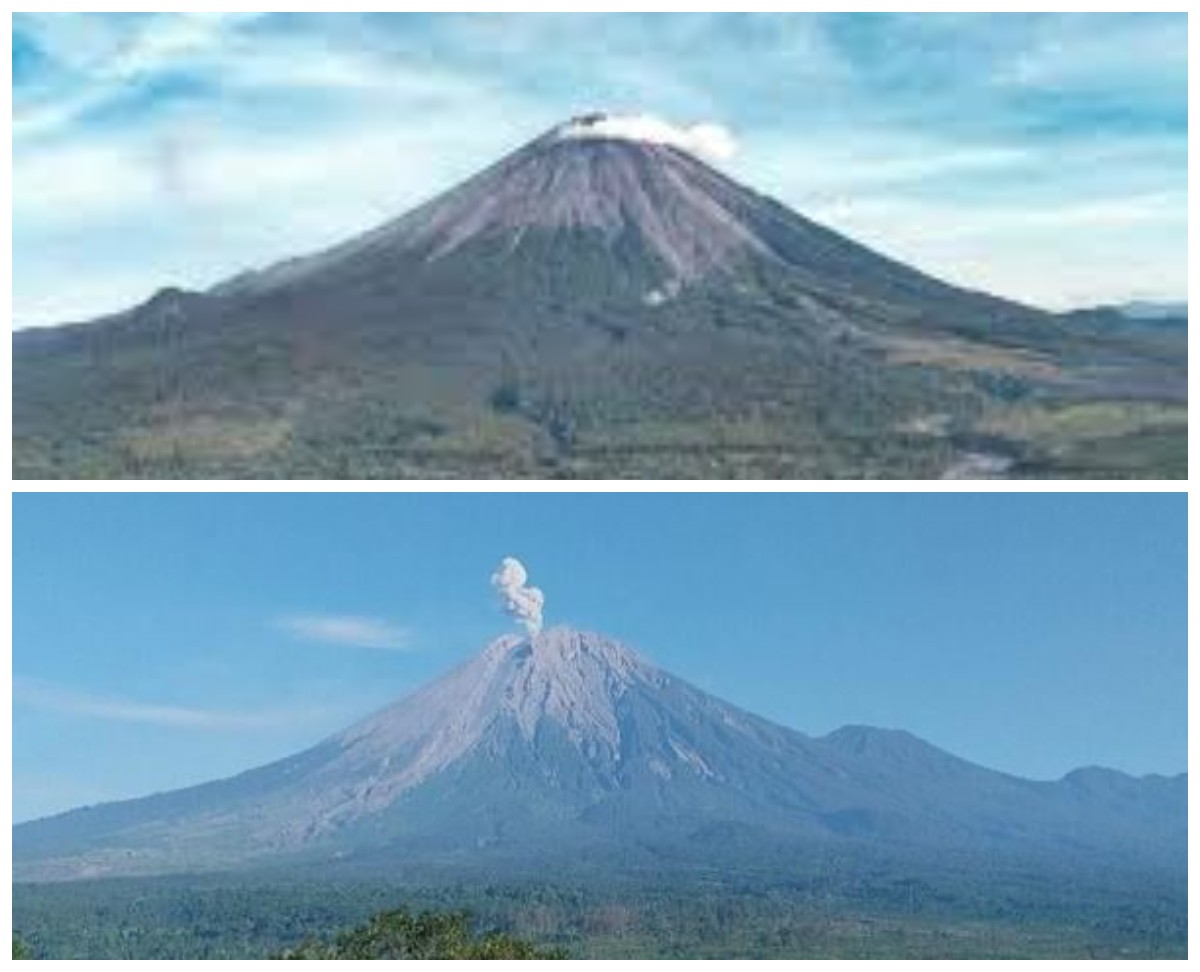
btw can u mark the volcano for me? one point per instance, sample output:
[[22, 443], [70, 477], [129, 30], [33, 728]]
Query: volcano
[[594, 306], [568, 750]]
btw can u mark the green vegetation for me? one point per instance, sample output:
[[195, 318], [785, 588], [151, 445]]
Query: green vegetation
[[20, 949], [553, 366], [398, 934], [855, 914], [1086, 440]]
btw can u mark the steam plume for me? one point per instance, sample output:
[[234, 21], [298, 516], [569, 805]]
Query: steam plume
[[524, 604], [714, 142]]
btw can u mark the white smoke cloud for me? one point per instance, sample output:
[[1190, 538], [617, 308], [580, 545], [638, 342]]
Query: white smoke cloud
[[524, 604], [708, 140]]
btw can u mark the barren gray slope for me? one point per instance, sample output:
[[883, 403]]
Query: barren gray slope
[[692, 219]]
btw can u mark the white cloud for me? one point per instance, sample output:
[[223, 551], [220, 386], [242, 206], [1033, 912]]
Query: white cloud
[[706, 140], [351, 632], [51, 697]]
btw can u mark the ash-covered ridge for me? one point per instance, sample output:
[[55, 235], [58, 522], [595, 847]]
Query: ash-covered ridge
[[560, 677]]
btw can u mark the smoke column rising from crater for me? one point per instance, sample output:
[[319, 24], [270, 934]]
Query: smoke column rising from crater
[[523, 603]]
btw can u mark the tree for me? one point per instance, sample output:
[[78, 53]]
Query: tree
[[399, 934], [20, 949]]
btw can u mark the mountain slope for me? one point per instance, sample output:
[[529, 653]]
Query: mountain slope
[[568, 743], [593, 307], [680, 220]]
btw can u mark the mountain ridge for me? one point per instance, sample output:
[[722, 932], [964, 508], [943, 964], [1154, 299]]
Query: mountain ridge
[[586, 308], [567, 739]]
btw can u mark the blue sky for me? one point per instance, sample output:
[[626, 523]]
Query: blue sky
[[166, 639], [1041, 156]]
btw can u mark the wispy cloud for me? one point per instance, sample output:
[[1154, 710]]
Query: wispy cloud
[[351, 632], [97, 60], [1108, 214], [49, 696]]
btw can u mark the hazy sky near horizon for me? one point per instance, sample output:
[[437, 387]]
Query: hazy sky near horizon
[[1043, 157], [161, 640]]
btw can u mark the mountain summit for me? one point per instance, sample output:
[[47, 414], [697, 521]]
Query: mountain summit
[[635, 207], [661, 203], [600, 303], [566, 746]]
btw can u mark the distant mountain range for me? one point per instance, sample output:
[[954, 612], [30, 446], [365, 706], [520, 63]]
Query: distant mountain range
[[568, 751], [1144, 310], [600, 307]]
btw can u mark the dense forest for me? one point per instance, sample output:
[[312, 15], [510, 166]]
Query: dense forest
[[870, 917]]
